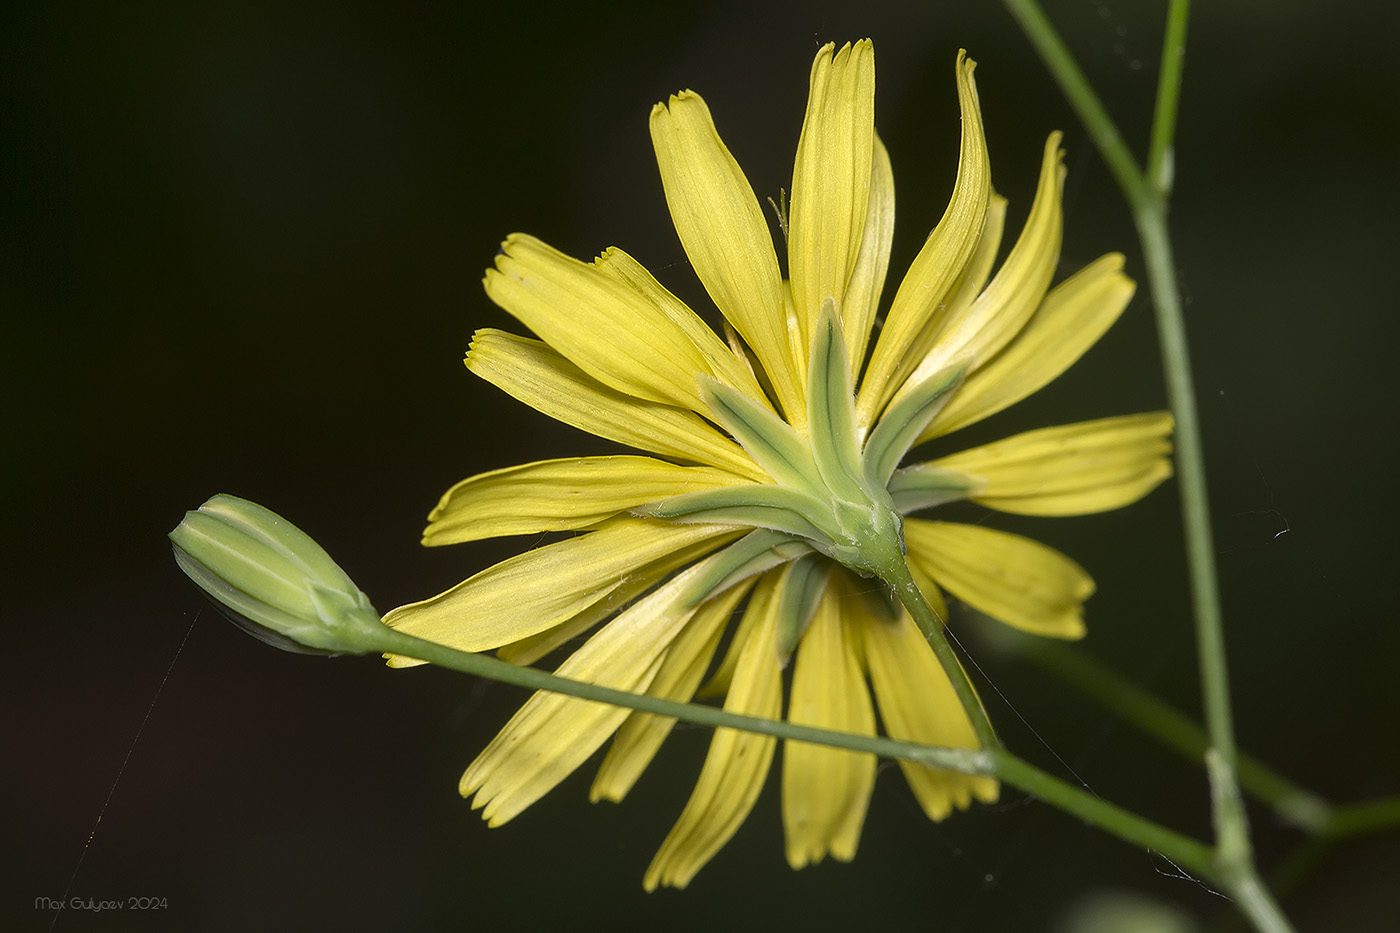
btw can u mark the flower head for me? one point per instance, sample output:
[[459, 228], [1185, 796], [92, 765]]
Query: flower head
[[773, 492]]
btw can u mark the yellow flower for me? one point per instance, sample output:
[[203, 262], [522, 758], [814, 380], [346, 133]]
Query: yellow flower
[[775, 491]]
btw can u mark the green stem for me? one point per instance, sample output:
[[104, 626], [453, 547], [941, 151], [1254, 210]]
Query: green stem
[[1149, 207], [1191, 475], [1291, 802], [1159, 150], [897, 575], [1354, 819], [391, 641], [1149, 212], [1253, 899], [1190, 854], [1345, 821], [1085, 102]]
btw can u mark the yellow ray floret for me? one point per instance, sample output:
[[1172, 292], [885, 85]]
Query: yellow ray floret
[[1071, 469], [917, 704], [536, 590], [553, 734], [686, 662], [737, 763], [970, 334], [1010, 578], [936, 268], [826, 790], [543, 379], [724, 234], [831, 181], [1071, 319], [561, 495]]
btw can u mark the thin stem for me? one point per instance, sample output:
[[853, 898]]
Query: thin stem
[[1189, 853], [1253, 899], [1149, 211], [897, 576], [1193, 856], [1175, 730], [1159, 150], [1354, 819], [1149, 207], [1191, 475], [1081, 96], [391, 641]]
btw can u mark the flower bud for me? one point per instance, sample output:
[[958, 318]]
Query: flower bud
[[273, 581]]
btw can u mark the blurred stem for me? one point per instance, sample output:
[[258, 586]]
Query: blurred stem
[[1354, 819], [1148, 201], [1293, 803], [1159, 151], [1345, 821], [1081, 96]]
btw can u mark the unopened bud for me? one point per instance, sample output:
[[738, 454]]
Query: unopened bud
[[273, 581]]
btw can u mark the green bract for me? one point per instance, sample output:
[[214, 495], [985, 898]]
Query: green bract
[[827, 492], [272, 580]]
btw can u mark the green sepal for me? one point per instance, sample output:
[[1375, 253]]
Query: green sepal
[[831, 409], [773, 443], [273, 581], [924, 486], [904, 420], [765, 506], [752, 554], [802, 591]]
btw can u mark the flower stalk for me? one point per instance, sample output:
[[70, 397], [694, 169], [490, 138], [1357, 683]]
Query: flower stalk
[[909, 594], [267, 562]]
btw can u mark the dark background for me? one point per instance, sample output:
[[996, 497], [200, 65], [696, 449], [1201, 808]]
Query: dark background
[[241, 253]]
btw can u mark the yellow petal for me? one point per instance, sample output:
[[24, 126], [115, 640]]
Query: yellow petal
[[723, 232], [1013, 579], [974, 277], [826, 790], [1071, 469], [601, 325], [722, 362], [718, 684], [530, 649], [560, 495], [686, 661], [1073, 316], [831, 181], [553, 734], [534, 591], [873, 260], [538, 376], [970, 284], [974, 333], [939, 264], [918, 704], [737, 762]]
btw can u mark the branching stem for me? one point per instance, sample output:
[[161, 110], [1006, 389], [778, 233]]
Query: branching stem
[[1146, 193]]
